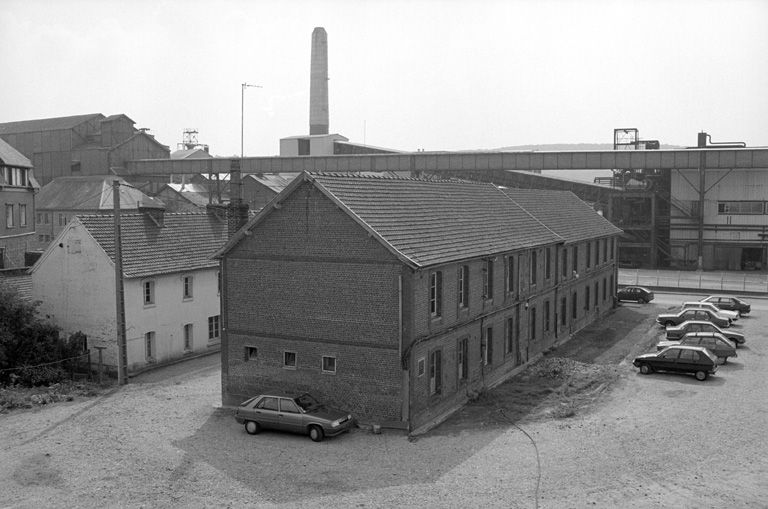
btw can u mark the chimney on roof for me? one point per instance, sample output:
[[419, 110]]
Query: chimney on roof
[[318, 83], [237, 214]]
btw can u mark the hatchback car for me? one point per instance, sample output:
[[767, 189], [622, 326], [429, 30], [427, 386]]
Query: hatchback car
[[635, 293], [303, 414], [670, 319], [730, 303], [675, 333], [679, 359], [712, 341], [731, 315]]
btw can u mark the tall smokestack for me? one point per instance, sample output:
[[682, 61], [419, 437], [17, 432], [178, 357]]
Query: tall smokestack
[[318, 83]]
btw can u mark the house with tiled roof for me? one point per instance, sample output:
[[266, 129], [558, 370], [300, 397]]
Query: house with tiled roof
[[398, 298], [171, 284], [65, 197], [78, 145], [17, 207]]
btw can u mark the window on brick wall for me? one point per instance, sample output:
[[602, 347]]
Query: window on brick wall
[[546, 316], [605, 293], [598, 249], [565, 261], [575, 259], [588, 255], [9, 215], [436, 294], [574, 306], [534, 266], [420, 367], [251, 353], [289, 360], [563, 311], [462, 359], [486, 346], [597, 288], [511, 274], [435, 372], [462, 286], [586, 298], [329, 364], [487, 279], [548, 263], [605, 250], [532, 323], [22, 215]]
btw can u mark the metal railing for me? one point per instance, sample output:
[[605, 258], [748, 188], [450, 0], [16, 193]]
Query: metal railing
[[700, 280]]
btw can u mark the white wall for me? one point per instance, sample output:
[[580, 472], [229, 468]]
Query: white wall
[[168, 315], [75, 283]]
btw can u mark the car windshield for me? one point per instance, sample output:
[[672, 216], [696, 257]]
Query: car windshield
[[308, 403]]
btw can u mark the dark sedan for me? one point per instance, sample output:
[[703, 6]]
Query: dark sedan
[[668, 319], [712, 341], [679, 359], [635, 293], [303, 414], [674, 333], [729, 303]]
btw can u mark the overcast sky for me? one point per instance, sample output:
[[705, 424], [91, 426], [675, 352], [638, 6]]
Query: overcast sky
[[433, 75]]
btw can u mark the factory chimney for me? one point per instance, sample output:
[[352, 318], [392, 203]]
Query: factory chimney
[[318, 83]]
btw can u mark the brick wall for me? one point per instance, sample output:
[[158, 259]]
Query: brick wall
[[310, 280]]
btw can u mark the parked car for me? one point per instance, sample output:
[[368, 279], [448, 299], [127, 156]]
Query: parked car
[[303, 414], [679, 359], [712, 341], [635, 293], [671, 319], [730, 303], [732, 315], [675, 333]]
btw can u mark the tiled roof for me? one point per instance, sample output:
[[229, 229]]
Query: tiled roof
[[185, 242], [90, 193], [46, 124], [563, 212], [9, 156], [274, 181], [434, 222]]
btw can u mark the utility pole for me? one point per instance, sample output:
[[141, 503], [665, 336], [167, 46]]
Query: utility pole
[[122, 350]]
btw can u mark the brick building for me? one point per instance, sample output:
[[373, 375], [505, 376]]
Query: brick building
[[17, 199], [396, 298]]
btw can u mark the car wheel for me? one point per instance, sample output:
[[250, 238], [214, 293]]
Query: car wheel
[[643, 300], [645, 369], [316, 433], [252, 427], [701, 375]]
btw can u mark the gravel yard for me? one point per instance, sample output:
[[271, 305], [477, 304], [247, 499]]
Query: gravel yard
[[578, 429]]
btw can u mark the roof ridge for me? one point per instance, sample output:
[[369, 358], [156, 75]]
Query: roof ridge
[[431, 179]]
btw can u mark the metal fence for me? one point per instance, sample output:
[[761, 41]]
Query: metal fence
[[701, 280]]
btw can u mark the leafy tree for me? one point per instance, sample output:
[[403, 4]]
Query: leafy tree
[[27, 341]]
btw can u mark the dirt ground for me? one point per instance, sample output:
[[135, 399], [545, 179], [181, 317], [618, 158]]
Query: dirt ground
[[579, 429]]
